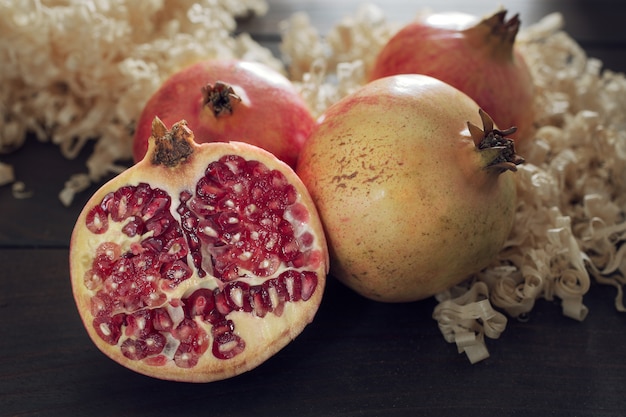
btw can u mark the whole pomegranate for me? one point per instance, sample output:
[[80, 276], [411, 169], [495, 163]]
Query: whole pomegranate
[[413, 195], [199, 262], [224, 100], [479, 58]]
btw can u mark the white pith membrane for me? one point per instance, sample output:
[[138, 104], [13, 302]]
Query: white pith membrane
[[571, 221], [207, 310]]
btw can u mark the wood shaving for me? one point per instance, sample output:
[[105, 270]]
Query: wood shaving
[[19, 190], [7, 176], [76, 71]]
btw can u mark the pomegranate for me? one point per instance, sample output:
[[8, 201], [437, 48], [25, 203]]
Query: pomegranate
[[414, 196], [224, 100], [199, 262], [477, 57]]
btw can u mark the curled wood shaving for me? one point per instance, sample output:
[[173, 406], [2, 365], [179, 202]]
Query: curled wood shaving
[[467, 318], [7, 176]]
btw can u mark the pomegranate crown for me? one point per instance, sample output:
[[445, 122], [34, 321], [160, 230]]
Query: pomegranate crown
[[497, 150], [497, 32], [505, 29], [171, 147], [219, 98]]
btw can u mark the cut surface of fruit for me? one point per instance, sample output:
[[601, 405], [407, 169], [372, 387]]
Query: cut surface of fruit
[[199, 262]]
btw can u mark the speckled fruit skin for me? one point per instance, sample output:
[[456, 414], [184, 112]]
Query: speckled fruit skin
[[407, 207]]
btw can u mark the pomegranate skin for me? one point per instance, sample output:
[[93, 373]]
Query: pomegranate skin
[[479, 57], [270, 114], [408, 207], [206, 300]]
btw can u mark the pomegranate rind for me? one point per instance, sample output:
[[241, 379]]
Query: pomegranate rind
[[263, 336], [407, 206]]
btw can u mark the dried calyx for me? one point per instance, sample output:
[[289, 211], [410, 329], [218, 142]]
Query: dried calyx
[[219, 98], [171, 146], [495, 148], [497, 29]]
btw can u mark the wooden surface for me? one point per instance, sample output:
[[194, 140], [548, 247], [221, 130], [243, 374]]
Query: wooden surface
[[358, 358]]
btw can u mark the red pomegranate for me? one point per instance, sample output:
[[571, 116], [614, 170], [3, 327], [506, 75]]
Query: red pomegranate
[[479, 57], [230, 100], [199, 262], [413, 195]]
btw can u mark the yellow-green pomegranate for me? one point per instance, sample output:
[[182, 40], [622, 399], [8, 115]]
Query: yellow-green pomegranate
[[413, 195]]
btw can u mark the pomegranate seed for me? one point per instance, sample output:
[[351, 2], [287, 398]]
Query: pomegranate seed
[[109, 328], [293, 282], [176, 272], [155, 343], [260, 300], [221, 303], [159, 224], [153, 297], [153, 245], [309, 283], [200, 303], [237, 296], [267, 266], [226, 344], [162, 320], [158, 360], [141, 195], [101, 304], [120, 208], [186, 332], [173, 250], [139, 324], [134, 349], [111, 250], [290, 249], [155, 208], [107, 203], [235, 163], [92, 280], [135, 226], [185, 356], [208, 190], [97, 221]]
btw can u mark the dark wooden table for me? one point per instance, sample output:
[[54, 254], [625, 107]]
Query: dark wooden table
[[358, 358]]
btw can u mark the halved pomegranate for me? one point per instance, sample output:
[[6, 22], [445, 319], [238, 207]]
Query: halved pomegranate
[[199, 262], [414, 196]]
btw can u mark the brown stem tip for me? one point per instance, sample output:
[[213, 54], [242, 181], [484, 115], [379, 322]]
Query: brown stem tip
[[504, 29], [496, 34], [497, 150], [219, 98], [171, 147]]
